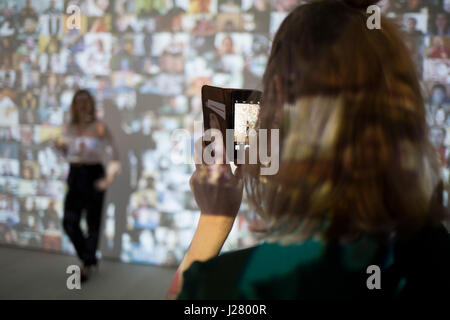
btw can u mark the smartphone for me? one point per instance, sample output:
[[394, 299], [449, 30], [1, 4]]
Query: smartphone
[[245, 112], [226, 108]]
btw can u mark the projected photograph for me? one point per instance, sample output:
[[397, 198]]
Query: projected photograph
[[145, 63]]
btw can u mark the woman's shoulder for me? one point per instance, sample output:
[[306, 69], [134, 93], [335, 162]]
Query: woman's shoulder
[[228, 260], [103, 126], [233, 275], [98, 128], [100, 124], [274, 270], [217, 277]]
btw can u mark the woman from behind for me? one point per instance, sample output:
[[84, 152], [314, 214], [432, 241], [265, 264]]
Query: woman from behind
[[358, 188]]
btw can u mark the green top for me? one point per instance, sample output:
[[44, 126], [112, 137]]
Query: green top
[[316, 270]]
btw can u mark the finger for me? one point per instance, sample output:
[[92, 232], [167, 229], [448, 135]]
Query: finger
[[214, 122], [222, 175], [239, 172], [219, 147], [198, 152], [217, 137], [216, 148]]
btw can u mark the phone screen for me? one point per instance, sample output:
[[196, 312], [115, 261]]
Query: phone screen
[[245, 117]]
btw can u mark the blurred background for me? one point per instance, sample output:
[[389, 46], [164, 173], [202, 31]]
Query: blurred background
[[145, 62]]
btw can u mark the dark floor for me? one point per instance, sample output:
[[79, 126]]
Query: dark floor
[[27, 274]]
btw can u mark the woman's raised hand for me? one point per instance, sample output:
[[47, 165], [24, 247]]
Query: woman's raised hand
[[216, 189]]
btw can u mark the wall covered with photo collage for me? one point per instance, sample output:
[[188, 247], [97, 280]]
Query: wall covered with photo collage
[[145, 62]]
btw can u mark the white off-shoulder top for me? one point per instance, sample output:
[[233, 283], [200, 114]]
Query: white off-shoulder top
[[91, 146]]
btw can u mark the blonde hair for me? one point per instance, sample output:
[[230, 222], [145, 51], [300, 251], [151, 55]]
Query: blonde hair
[[355, 153]]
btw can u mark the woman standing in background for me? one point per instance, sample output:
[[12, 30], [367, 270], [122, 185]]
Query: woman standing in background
[[84, 142]]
